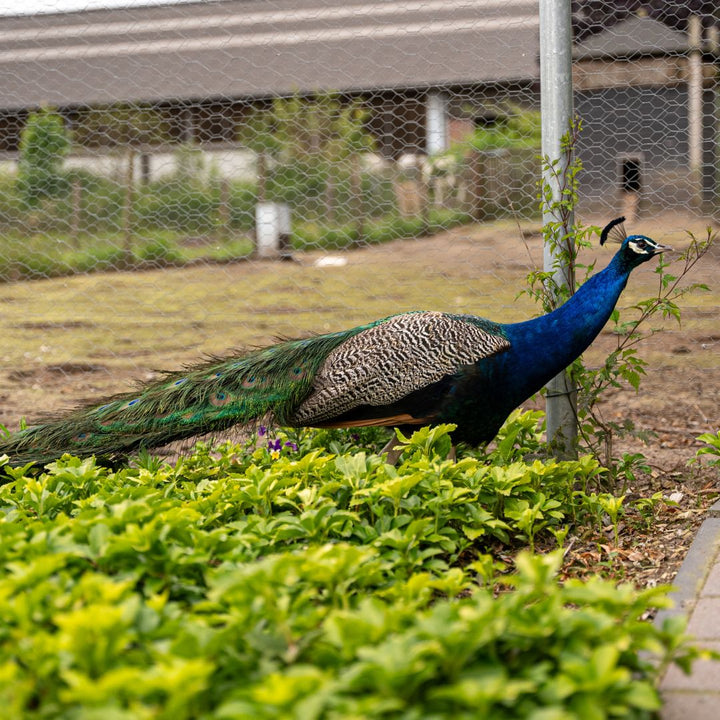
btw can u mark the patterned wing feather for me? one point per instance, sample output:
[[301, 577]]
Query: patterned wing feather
[[388, 361]]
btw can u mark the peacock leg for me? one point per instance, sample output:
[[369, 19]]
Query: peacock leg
[[393, 454]]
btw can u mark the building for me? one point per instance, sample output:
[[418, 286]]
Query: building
[[648, 101], [203, 64], [428, 71]]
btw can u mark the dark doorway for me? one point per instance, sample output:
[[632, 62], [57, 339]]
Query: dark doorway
[[630, 175]]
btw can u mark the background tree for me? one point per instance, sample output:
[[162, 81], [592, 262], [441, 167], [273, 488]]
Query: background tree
[[128, 128], [348, 141], [44, 143], [314, 141]]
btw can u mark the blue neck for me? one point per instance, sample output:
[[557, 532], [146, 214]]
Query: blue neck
[[544, 346]]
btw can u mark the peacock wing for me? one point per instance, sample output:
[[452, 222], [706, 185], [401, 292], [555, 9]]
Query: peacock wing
[[385, 363]]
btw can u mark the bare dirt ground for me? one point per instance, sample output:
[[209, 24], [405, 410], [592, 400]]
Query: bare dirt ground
[[63, 344]]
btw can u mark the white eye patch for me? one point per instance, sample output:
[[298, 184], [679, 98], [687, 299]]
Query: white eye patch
[[641, 247]]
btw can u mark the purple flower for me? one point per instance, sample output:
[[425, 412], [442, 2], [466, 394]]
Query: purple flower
[[274, 444], [262, 430], [291, 445]]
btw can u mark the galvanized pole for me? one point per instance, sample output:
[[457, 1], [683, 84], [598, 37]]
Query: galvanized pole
[[695, 107], [556, 105]]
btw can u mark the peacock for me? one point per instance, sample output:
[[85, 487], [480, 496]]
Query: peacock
[[404, 371]]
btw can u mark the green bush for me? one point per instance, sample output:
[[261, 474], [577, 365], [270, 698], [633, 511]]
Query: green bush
[[302, 577], [308, 235], [516, 127], [44, 143], [101, 202], [175, 206], [160, 253], [297, 182], [12, 208], [242, 200]]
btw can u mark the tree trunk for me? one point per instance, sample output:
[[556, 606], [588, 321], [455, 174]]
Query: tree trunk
[[478, 187], [330, 196]]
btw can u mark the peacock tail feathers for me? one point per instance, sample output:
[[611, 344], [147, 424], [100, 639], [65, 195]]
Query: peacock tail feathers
[[205, 398]]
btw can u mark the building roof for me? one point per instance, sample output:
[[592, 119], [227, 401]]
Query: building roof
[[258, 48], [632, 37]]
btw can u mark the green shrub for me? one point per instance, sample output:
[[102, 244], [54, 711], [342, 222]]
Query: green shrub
[[12, 208], [711, 448], [303, 577], [175, 206], [161, 253], [297, 182], [243, 198], [308, 235], [44, 143], [101, 202], [102, 258]]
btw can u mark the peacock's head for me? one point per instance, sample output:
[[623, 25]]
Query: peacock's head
[[634, 249]]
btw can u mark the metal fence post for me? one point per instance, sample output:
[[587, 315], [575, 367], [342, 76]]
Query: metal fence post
[[695, 108], [556, 104]]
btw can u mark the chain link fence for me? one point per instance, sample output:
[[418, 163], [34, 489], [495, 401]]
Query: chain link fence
[[180, 179]]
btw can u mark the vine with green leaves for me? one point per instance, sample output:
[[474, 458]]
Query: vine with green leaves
[[631, 326]]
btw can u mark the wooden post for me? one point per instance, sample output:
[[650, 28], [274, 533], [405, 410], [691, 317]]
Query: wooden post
[[224, 208], [76, 210], [356, 196], [128, 204], [478, 183], [713, 197], [330, 192], [424, 192], [261, 177]]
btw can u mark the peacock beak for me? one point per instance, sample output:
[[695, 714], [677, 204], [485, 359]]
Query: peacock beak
[[661, 249]]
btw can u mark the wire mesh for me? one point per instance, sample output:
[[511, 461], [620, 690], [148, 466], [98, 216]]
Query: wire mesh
[[180, 179]]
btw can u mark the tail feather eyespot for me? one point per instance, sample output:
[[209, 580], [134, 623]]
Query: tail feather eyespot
[[220, 398], [254, 381]]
